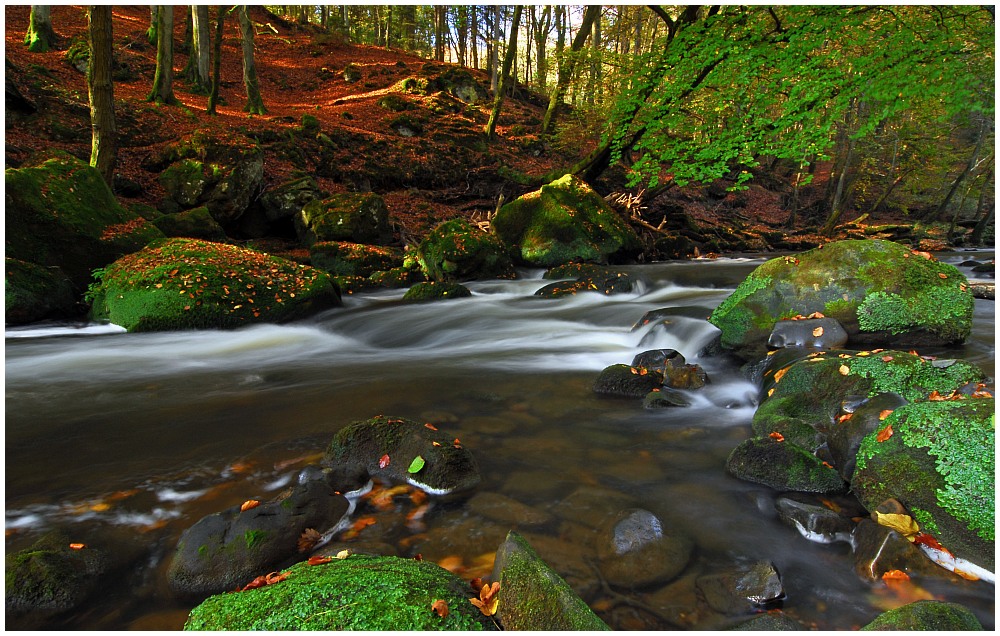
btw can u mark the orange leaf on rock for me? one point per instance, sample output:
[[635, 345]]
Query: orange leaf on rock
[[776, 436], [884, 414], [430, 426], [77, 546], [884, 434], [487, 601], [942, 275], [308, 539], [249, 504], [780, 373], [319, 560], [817, 332], [895, 575], [383, 461]]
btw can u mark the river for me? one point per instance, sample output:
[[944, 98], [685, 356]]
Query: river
[[143, 434]]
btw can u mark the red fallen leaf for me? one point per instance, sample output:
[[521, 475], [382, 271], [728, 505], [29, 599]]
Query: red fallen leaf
[[815, 314], [884, 414], [77, 546], [430, 426], [828, 464], [249, 504], [440, 607], [319, 560], [776, 436], [887, 358], [895, 575], [384, 461], [308, 539], [843, 418], [884, 434], [925, 539]]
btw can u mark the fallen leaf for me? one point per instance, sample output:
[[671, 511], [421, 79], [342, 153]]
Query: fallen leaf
[[343, 554], [844, 369], [383, 461], [843, 418], [887, 358], [416, 465], [780, 373], [319, 560], [308, 539], [453, 563], [925, 539], [77, 546], [776, 436], [884, 414], [487, 601], [817, 332], [265, 579], [884, 434], [440, 607], [815, 314], [903, 524], [430, 426], [249, 504], [942, 275], [770, 392], [895, 575]]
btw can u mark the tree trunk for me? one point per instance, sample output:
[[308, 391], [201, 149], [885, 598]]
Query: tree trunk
[[888, 191], [962, 175], [163, 81], [199, 51], [474, 26], [508, 60], [495, 58], [409, 25], [255, 104], [837, 207], [213, 98], [104, 138], [984, 219], [567, 67], [40, 37], [440, 31], [154, 21], [541, 30]]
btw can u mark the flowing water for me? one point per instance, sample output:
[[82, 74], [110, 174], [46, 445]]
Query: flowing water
[[131, 438]]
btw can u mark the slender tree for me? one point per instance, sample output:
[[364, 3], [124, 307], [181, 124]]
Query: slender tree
[[163, 80], [154, 22], [508, 61], [255, 104], [100, 89], [213, 98], [567, 66], [200, 77], [495, 48], [40, 36]]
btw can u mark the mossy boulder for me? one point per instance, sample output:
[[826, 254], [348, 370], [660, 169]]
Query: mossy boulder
[[622, 380], [287, 199], [50, 576], [606, 282], [190, 284], [397, 277], [389, 447], [197, 223], [33, 292], [782, 465], [926, 616], [431, 290], [564, 221], [533, 596], [879, 291], [343, 258], [367, 593], [939, 462], [359, 217], [228, 549], [61, 213], [453, 80], [457, 250]]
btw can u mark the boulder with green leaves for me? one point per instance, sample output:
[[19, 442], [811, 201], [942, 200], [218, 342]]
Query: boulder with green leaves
[[882, 293]]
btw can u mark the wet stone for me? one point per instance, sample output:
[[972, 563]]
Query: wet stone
[[845, 438], [508, 511], [814, 333], [745, 588], [592, 505], [813, 520], [659, 360], [635, 551], [688, 376], [622, 380], [878, 549], [664, 398]]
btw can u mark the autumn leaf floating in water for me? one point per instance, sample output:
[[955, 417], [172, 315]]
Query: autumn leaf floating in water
[[440, 607], [487, 601], [309, 539]]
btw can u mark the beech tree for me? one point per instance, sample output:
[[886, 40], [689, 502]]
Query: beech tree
[[508, 60], [40, 36], [100, 89], [213, 97], [198, 61], [255, 104], [567, 66], [163, 80]]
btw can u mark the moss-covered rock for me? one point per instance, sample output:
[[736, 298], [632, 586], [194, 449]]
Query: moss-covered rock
[[50, 576], [61, 213], [197, 223], [33, 292], [926, 616], [606, 283], [359, 217], [453, 80], [191, 284], [457, 250], [939, 462], [622, 380], [564, 221], [879, 291], [368, 593], [782, 465], [397, 277], [533, 596], [388, 447], [436, 291], [287, 199], [342, 258]]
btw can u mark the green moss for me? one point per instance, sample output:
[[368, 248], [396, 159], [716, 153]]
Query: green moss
[[731, 315], [202, 551], [911, 376], [457, 250], [926, 616], [939, 308], [925, 521], [253, 538]]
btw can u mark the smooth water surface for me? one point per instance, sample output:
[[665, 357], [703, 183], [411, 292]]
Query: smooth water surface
[[131, 438]]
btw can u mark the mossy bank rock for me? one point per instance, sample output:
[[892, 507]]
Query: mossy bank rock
[[926, 616], [190, 284], [879, 291], [368, 593], [401, 450], [782, 465], [564, 221], [50, 576], [352, 216], [436, 291], [197, 223], [533, 596], [939, 462], [343, 258], [33, 292], [228, 549], [457, 251], [60, 213]]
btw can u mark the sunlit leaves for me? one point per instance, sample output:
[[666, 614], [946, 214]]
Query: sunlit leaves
[[488, 600], [249, 504], [263, 580], [901, 523]]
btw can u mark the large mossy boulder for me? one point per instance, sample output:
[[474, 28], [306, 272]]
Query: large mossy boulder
[[51, 576], [359, 217], [367, 593], [925, 616], [457, 251], [938, 459], [227, 549], [190, 284], [61, 213], [287, 199], [564, 221], [436, 291], [342, 258], [879, 291], [533, 596], [33, 292], [403, 451], [782, 465], [197, 223]]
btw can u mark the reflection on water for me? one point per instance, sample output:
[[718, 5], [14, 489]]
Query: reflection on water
[[145, 433]]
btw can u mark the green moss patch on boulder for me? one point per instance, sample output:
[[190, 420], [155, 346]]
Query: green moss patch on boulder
[[197, 223], [926, 616], [783, 466], [625, 381], [369, 593], [342, 258], [939, 462], [191, 284], [353, 216], [33, 292], [436, 291], [879, 291], [457, 251], [564, 221], [533, 596], [50, 576], [61, 213]]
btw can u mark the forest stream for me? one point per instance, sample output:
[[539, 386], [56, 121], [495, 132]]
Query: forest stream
[[138, 436]]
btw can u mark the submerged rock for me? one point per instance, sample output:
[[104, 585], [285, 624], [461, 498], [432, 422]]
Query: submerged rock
[[878, 549], [664, 398], [368, 593], [634, 550], [606, 283], [746, 588], [926, 616], [813, 520], [432, 290], [770, 623]]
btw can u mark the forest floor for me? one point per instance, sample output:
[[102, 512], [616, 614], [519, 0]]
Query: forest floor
[[301, 71]]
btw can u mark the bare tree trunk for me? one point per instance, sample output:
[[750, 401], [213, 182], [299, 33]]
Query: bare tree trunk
[[836, 209], [508, 60], [104, 138], [474, 25], [495, 58], [201, 45], [213, 98], [163, 80], [154, 22], [566, 68], [255, 104], [962, 175], [984, 218], [40, 36]]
